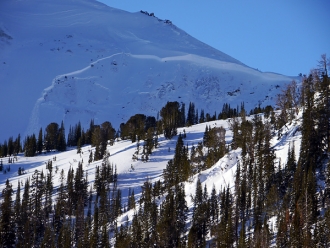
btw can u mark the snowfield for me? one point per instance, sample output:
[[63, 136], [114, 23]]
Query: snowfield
[[76, 60]]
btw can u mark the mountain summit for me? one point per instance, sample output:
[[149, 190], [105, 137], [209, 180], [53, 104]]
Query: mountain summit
[[76, 60]]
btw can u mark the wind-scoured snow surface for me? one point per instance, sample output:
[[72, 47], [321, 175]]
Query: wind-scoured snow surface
[[75, 60]]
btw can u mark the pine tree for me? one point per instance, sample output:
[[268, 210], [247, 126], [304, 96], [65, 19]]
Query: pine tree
[[24, 233], [48, 240], [61, 206], [37, 216], [323, 104], [165, 227], [17, 145], [90, 159], [122, 237], [308, 207], [136, 233], [79, 146], [225, 229], [77, 132], [310, 150], [178, 169], [85, 242], [79, 222], [171, 118], [147, 214], [40, 142], [282, 237], [181, 215], [97, 142], [51, 136], [191, 115], [242, 237], [70, 190], [104, 243], [200, 220], [17, 211], [172, 218], [30, 146], [296, 230], [182, 116], [95, 238], [64, 239], [202, 117], [131, 200], [4, 149], [214, 207], [49, 189], [7, 227], [61, 142], [327, 186], [80, 186]]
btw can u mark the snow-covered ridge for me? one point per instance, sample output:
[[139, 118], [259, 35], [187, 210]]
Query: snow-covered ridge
[[131, 62]]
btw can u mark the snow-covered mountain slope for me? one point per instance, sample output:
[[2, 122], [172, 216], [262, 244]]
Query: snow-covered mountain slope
[[133, 174], [79, 59]]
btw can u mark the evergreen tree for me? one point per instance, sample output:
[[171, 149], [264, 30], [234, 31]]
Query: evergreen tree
[[172, 218], [40, 142], [95, 237], [61, 142], [201, 117], [323, 103], [131, 199], [7, 227], [17, 211], [296, 230], [51, 136], [71, 191], [79, 222], [80, 186], [48, 240], [214, 207], [178, 169], [191, 115], [10, 146], [90, 159], [97, 142], [136, 233], [77, 132], [79, 146], [23, 232], [30, 146], [17, 145], [171, 118], [242, 237], [37, 216], [64, 239], [147, 214], [48, 189], [200, 219], [166, 220], [61, 206], [182, 115], [122, 237], [225, 230], [4, 149], [282, 237], [104, 243]]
